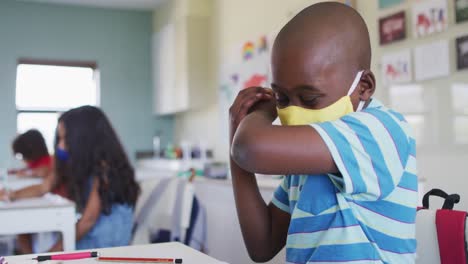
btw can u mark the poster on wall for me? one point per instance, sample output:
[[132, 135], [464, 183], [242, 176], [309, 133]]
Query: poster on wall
[[247, 65], [392, 28], [462, 52], [435, 65], [461, 10], [255, 67], [396, 67], [429, 17]]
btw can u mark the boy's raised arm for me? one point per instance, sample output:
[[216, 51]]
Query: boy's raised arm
[[260, 147], [264, 227]]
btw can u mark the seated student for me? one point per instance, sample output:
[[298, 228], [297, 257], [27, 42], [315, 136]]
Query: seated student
[[350, 193], [94, 169], [32, 148]]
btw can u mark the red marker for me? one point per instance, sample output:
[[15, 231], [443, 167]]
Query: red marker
[[68, 256]]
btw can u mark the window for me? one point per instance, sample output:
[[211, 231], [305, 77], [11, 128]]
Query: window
[[460, 111], [409, 99], [45, 89]]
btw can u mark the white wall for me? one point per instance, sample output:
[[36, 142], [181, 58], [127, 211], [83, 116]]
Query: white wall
[[234, 22], [441, 164]]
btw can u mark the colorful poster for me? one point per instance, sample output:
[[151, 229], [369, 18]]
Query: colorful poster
[[255, 67], [396, 67], [389, 3], [245, 66], [429, 17], [462, 52], [431, 60], [461, 10], [392, 28]]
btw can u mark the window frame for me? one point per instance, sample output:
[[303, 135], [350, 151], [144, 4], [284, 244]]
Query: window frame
[[65, 63]]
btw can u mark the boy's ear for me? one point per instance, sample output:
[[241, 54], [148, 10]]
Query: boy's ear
[[367, 85]]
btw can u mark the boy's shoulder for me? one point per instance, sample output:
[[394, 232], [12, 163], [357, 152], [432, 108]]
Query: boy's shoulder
[[376, 115], [377, 106]]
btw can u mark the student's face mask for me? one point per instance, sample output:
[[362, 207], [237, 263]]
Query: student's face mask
[[62, 154], [295, 115]]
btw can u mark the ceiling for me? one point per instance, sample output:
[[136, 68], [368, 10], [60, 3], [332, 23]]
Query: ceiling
[[118, 4]]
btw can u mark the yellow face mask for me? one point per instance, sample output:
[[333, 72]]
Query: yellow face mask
[[295, 115]]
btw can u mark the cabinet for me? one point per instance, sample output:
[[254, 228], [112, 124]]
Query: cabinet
[[181, 57]]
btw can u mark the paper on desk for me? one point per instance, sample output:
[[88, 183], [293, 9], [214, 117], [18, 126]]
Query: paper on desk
[[43, 201]]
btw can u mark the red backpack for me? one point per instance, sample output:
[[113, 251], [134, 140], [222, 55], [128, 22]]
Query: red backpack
[[450, 227]]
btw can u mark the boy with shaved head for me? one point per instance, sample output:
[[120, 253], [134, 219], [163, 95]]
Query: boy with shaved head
[[350, 190]]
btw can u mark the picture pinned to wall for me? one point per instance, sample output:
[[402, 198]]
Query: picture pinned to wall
[[433, 66], [462, 52], [396, 67], [389, 3], [461, 11], [429, 17], [248, 50], [255, 68], [247, 65], [392, 28]]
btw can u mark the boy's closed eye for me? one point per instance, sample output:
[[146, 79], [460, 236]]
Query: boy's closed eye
[[310, 100], [302, 96], [282, 100]]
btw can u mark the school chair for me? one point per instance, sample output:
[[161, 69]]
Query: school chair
[[168, 210]]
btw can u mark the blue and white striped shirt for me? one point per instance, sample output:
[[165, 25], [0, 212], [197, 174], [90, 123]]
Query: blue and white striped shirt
[[367, 213]]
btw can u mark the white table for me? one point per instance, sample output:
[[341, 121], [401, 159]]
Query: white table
[[16, 183], [163, 250], [43, 214]]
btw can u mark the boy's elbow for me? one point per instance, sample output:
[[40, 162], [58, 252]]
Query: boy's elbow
[[244, 152], [260, 258]]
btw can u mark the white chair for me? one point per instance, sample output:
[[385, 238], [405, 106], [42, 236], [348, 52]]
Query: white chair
[[163, 204]]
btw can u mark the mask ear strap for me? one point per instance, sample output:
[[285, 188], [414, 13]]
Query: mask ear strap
[[360, 106], [355, 82], [354, 86]]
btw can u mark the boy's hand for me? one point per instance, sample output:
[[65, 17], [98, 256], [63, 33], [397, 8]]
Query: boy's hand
[[247, 101]]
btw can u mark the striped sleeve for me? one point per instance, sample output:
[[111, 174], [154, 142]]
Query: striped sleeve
[[281, 195], [370, 149]]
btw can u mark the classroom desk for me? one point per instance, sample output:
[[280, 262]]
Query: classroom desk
[[43, 214], [162, 250], [15, 183]]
